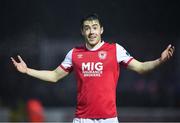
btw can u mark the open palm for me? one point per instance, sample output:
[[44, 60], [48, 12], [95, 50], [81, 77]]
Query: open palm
[[20, 66]]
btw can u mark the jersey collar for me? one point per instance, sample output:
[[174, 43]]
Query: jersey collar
[[96, 47]]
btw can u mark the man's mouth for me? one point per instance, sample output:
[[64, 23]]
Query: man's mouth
[[92, 37]]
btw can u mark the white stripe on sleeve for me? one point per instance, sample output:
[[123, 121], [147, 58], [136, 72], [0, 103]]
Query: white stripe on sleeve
[[67, 63], [122, 55]]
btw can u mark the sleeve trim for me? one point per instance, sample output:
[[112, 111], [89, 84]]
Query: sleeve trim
[[65, 69], [126, 64]]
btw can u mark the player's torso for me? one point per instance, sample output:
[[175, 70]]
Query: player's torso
[[96, 73]]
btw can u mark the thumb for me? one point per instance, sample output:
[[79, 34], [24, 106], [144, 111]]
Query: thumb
[[169, 46]]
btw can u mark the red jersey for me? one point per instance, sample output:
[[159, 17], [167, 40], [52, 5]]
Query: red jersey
[[97, 72]]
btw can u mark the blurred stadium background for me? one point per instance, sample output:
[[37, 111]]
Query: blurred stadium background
[[43, 31]]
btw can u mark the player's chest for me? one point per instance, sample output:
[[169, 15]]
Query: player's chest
[[93, 60]]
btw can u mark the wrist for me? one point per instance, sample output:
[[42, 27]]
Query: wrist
[[27, 71], [159, 61]]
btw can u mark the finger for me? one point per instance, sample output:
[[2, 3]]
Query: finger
[[169, 46], [170, 53], [171, 50], [14, 62], [173, 47], [20, 59]]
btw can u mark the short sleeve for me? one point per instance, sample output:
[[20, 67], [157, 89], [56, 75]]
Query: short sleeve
[[122, 55], [67, 62]]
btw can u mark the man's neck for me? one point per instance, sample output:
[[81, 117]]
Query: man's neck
[[95, 47]]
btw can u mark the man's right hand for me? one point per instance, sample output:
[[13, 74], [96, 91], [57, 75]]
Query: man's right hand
[[20, 66]]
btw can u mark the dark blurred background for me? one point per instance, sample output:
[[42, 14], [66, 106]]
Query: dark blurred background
[[43, 31]]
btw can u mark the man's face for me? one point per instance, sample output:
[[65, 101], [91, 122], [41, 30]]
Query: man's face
[[92, 32]]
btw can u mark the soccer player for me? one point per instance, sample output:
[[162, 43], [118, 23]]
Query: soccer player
[[96, 66]]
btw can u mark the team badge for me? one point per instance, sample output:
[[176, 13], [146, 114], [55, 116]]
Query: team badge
[[102, 54]]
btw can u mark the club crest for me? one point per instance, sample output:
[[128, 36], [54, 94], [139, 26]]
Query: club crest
[[102, 54]]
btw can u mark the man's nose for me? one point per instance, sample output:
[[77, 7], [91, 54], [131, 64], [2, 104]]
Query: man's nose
[[91, 31]]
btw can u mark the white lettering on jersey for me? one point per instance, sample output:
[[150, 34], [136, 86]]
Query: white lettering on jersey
[[98, 66], [92, 69], [85, 66]]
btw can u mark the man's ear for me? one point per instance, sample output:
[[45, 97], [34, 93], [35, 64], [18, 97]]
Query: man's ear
[[102, 30]]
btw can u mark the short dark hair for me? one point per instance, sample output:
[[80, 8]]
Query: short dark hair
[[91, 17]]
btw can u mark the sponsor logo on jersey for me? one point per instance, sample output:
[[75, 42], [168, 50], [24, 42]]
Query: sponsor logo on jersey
[[90, 69], [79, 56], [102, 54]]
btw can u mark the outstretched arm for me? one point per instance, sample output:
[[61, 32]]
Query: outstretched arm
[[144, 67], [46, 75]]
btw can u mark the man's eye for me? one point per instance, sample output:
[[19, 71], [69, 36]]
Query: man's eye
[[86, 28], [94, 27]]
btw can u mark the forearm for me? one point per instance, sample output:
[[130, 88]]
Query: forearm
[[45, 75], [143, 67], [149, 66]]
